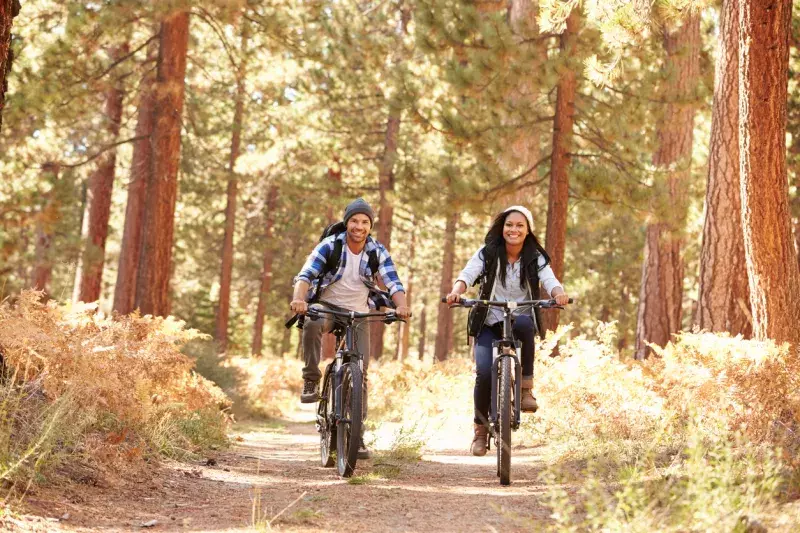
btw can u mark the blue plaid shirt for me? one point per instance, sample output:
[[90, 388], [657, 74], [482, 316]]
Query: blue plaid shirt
[[316, 260]]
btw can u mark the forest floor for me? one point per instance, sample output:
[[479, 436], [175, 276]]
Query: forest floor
[[271, 480]]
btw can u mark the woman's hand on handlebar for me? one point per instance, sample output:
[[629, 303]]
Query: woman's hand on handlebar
[[453, 298], [562, 298], [299, 306]]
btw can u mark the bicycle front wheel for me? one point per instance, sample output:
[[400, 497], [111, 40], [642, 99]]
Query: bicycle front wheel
[[348, 433], [504, 421], [327, 431]]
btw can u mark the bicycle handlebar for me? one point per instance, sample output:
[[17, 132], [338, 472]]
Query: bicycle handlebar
[[466, 302], [314, 313]]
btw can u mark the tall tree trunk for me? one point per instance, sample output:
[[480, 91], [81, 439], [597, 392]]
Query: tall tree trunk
[[266, 271], [406, 330], [525, 149], [8, 10], [423, 330], [141, 175], [661, 291], [45, 230], [558, 194], [771, 260], [724, 293], [328, 346], [385, 211], [155, 263], [223, 307], [101, 184], [444, 321]]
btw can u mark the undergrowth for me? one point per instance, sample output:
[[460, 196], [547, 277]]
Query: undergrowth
[[82, 393]]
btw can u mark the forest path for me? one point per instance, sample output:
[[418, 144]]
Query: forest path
[[278, 465]]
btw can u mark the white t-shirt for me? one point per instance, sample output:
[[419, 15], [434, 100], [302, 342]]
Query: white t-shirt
[[349, 292]]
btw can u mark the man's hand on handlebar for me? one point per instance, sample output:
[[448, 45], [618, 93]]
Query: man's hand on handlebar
[[403, 311], [299, 306]]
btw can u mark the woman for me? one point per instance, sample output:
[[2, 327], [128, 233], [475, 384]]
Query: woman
[[510, 267]]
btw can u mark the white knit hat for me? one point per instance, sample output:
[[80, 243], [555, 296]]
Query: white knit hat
[[525, 211]]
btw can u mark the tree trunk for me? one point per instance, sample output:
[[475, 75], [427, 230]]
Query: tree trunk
[[558, 194], [724, 294], [101, 184], [8, 10], [266, 272], [385, 212], [661, 291], [155, 261], [45, 230], [423, 329], [406, 330], [141, 175], [223, 307], [771, 260], [444, 322]]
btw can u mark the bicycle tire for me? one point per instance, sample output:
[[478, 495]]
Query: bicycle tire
[[348, 433], [327, 434], [504, 421]]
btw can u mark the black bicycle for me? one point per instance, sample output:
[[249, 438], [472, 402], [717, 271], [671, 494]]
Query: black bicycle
[[506, 387], [340, 409]]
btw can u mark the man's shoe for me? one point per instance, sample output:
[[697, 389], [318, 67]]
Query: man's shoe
[[310, 392], [363, 451], [479, 443], [528, 404]]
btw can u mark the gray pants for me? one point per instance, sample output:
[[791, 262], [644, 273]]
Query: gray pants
[[312, 347]]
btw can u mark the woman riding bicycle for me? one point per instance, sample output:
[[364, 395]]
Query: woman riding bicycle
[[513, 254]]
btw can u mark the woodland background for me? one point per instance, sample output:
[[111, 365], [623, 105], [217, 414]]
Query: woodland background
[[182, 157]]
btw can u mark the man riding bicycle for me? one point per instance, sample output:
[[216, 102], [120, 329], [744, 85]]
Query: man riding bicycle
[[341, 273]]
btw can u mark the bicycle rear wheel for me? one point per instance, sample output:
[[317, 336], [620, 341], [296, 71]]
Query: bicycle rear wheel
[[327, 431], [504, 421], [348, 433]]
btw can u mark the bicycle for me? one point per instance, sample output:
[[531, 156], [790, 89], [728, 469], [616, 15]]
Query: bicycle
[[505, 352], [340, 413]]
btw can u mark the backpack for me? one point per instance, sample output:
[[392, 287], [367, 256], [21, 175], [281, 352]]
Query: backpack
[[332, 261]]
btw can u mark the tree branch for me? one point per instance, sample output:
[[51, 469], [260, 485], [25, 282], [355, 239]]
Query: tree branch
[[103, 150]]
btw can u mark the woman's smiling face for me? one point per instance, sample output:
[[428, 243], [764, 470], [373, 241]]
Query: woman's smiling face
[[515, 228]]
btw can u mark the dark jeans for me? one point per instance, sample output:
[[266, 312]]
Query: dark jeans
[[523, 331]]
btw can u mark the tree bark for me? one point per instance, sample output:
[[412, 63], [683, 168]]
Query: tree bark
[[444, 321], [423, 330], [661, 291], [224, 304], [771, 260], [385, 211], [141, 175], [266, 271], [101, 184], [45, 230], [155, 261], [724, 293], [8, 10], [558, 194], [406, 326]]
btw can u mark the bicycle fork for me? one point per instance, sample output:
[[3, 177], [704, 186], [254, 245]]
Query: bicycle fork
[[497, 359]]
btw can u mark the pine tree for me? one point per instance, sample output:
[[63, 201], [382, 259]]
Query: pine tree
[[155, 260], [266, 272], [771, 261], [223, 306], [444, 324], [8, 10], [724, 294], [660, 299]]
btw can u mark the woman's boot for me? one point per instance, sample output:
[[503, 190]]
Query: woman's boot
[[479, 440], [529, 404]]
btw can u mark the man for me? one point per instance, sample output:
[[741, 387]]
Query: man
[[351, 286]]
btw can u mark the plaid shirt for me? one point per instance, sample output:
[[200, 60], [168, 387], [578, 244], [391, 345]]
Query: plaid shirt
[[315, 263]]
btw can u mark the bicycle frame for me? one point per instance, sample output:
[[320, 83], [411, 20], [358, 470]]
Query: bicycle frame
[[507, 341]]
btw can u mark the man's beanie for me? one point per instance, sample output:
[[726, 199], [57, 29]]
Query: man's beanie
[[358, 206]]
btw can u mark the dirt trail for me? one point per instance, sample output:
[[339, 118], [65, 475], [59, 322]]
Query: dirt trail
[[449, 490]]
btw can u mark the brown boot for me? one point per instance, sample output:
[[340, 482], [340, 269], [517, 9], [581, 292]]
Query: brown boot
[[479, 441], [529, 404]]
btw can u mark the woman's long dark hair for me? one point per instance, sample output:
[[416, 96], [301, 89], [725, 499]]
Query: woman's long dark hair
[[530, 248]]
